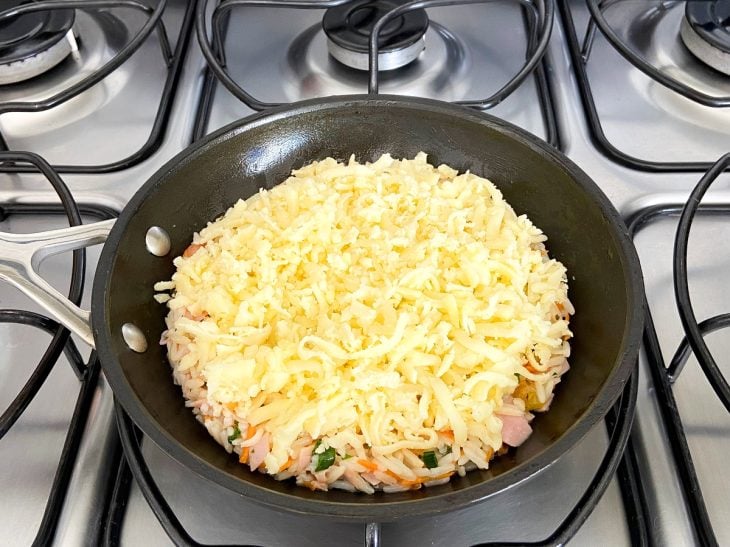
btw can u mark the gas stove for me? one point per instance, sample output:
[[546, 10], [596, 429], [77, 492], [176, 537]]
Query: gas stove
[[96, 95]]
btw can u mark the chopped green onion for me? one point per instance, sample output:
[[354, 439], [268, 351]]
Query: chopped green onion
[[316, 445], [429, 458], [236, 433], [448, 449], [347, 456], [325, 459]]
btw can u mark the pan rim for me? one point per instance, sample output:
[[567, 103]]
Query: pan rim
[[384, 510]]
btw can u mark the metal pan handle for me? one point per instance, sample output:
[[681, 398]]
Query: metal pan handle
[[21, 254], [372, 534]]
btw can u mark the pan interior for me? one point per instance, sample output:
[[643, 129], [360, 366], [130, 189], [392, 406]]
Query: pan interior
[[200, 184]]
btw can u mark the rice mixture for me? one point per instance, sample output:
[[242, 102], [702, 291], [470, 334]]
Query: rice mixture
[[368, 327]]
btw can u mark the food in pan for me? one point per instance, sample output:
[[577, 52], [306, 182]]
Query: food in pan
[[377, 326]]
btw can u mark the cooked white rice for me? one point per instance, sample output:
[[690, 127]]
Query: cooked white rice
[[368, 326]]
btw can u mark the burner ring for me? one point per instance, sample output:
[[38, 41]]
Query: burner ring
[[348, 29], [704, 30], [33, 42]]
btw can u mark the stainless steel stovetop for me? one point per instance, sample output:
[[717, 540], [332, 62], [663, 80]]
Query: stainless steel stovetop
[[110, 138]]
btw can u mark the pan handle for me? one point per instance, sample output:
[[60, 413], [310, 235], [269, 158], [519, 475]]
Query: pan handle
[[21, 254], [372, 534]]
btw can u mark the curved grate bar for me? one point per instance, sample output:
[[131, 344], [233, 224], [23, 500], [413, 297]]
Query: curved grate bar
[[61, 334], [213, 52], [579, 57], [685, 470], [596, 8], [540, 16], [69, 452], [95, 77], [707, 326], [173, 60], [134, 459], [681, 284], [32, 319]]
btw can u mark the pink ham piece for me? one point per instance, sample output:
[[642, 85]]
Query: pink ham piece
[[258, 452], [515, 429], [304, 458]]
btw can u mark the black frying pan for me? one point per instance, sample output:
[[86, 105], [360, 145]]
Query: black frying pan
[[199, 184]]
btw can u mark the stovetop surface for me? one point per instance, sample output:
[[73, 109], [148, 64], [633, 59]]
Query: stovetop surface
[[482, 45]]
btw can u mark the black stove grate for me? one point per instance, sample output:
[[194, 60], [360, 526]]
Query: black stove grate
[[172, 59], [538, 16], [87, 373], [663, 376], [580, 55]]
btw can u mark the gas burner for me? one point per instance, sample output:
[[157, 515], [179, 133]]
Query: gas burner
[[348, 29], [33, 43], [704, 31]]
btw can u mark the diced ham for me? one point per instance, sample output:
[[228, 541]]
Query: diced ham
[[515, 429], [358, 482], [304, 458], [191, 250], [258, 452], [197, 316]]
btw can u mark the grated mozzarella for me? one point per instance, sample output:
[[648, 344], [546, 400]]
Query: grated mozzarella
[[371, 306]]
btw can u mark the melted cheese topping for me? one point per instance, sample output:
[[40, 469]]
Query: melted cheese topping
[[372, 306]]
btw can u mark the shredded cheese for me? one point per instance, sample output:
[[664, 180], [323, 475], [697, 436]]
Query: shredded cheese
[[369, 305]]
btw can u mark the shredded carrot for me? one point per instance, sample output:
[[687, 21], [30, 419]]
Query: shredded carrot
[[532, 369], [250, 432], [489, 453], [560, 306], [448, 433], [442, 476], [415, 482], [191, 250], [396, 477], [286, 464], [370, 466], [403, 481]]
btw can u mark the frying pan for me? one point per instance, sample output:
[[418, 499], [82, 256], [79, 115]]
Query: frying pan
[[199, 184]]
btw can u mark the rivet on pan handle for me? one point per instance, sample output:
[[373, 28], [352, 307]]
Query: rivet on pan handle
[[21, 255]]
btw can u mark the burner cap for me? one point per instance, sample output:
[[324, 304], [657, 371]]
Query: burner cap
[[32, 43], [704, 31], [349, 25]]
